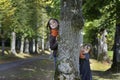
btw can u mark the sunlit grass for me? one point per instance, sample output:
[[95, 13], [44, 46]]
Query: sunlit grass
[[23, 55], [99, 66], [110, 54]]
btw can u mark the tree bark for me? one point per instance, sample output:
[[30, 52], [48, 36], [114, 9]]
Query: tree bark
[[13, 41], [3, 46], [36, 46], [43, 47], [22, 45], [70, 40], [26, 46], [31, 46], [116, 56], [102, 46]]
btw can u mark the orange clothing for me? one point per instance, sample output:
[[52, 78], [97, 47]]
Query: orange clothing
[[82, 56], [54, 32]]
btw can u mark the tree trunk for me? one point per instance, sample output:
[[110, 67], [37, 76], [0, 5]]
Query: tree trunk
[[39, 44], [102, 46], [26, 46], [3, 46], [31, 46], [43, 44], [13, 41], [70, 40], [22, 45], [36, 46], [116, 56], [18, 44]]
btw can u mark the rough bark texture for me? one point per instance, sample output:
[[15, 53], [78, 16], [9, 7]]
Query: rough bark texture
[[70, 40]]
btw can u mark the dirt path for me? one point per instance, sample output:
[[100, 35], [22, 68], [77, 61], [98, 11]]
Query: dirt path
[[38, 68], [42, 68]]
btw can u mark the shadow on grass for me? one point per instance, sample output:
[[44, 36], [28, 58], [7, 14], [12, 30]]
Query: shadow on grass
[[103, 75]]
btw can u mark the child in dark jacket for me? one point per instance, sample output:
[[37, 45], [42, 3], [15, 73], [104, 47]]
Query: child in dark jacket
[[53, 25], [85, 70]]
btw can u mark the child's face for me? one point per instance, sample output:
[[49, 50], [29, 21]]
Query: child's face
[[53, 24], [86, 49]]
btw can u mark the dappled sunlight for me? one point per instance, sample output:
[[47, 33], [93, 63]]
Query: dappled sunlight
[[23, 55], [44, 51], [28, 69], [96, 65], [47, 52]]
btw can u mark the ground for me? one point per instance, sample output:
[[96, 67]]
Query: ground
[[42, 68]]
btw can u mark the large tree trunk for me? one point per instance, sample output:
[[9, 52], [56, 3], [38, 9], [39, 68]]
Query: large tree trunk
[[70, 40], [13, 41], [116, 56]]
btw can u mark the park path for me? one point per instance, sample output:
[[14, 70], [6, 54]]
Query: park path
[[41, 68], [37, 68]]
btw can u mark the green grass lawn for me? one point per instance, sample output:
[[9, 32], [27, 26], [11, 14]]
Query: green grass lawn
[[110, 54]]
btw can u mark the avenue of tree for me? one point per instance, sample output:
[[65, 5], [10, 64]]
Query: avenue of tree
[[23, 25]]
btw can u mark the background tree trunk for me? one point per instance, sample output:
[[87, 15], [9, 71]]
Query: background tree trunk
[[3, 46], [31, 46], [26, 46], [116, 56], [13, 41], [36, 46], [70, 40], [22, 45]]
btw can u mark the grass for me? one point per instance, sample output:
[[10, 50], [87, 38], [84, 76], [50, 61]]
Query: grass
[[110, 54], [99, 69], [98, 65]]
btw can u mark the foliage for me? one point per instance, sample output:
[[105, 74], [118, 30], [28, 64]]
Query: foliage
[[53, 8], [25, 17], [98, 15]]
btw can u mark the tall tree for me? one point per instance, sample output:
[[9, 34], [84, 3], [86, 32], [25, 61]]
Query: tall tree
[[99, 14], [6, 11], [116, 52], [70, 41], [116, 56]]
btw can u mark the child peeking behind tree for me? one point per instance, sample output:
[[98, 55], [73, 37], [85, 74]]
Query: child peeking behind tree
[[53, 26], [84, 63]]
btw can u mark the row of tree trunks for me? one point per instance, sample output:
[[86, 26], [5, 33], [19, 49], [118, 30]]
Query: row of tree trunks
[[21, 45]]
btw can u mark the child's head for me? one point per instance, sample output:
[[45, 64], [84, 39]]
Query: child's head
[[53, 24], [88, 48]]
